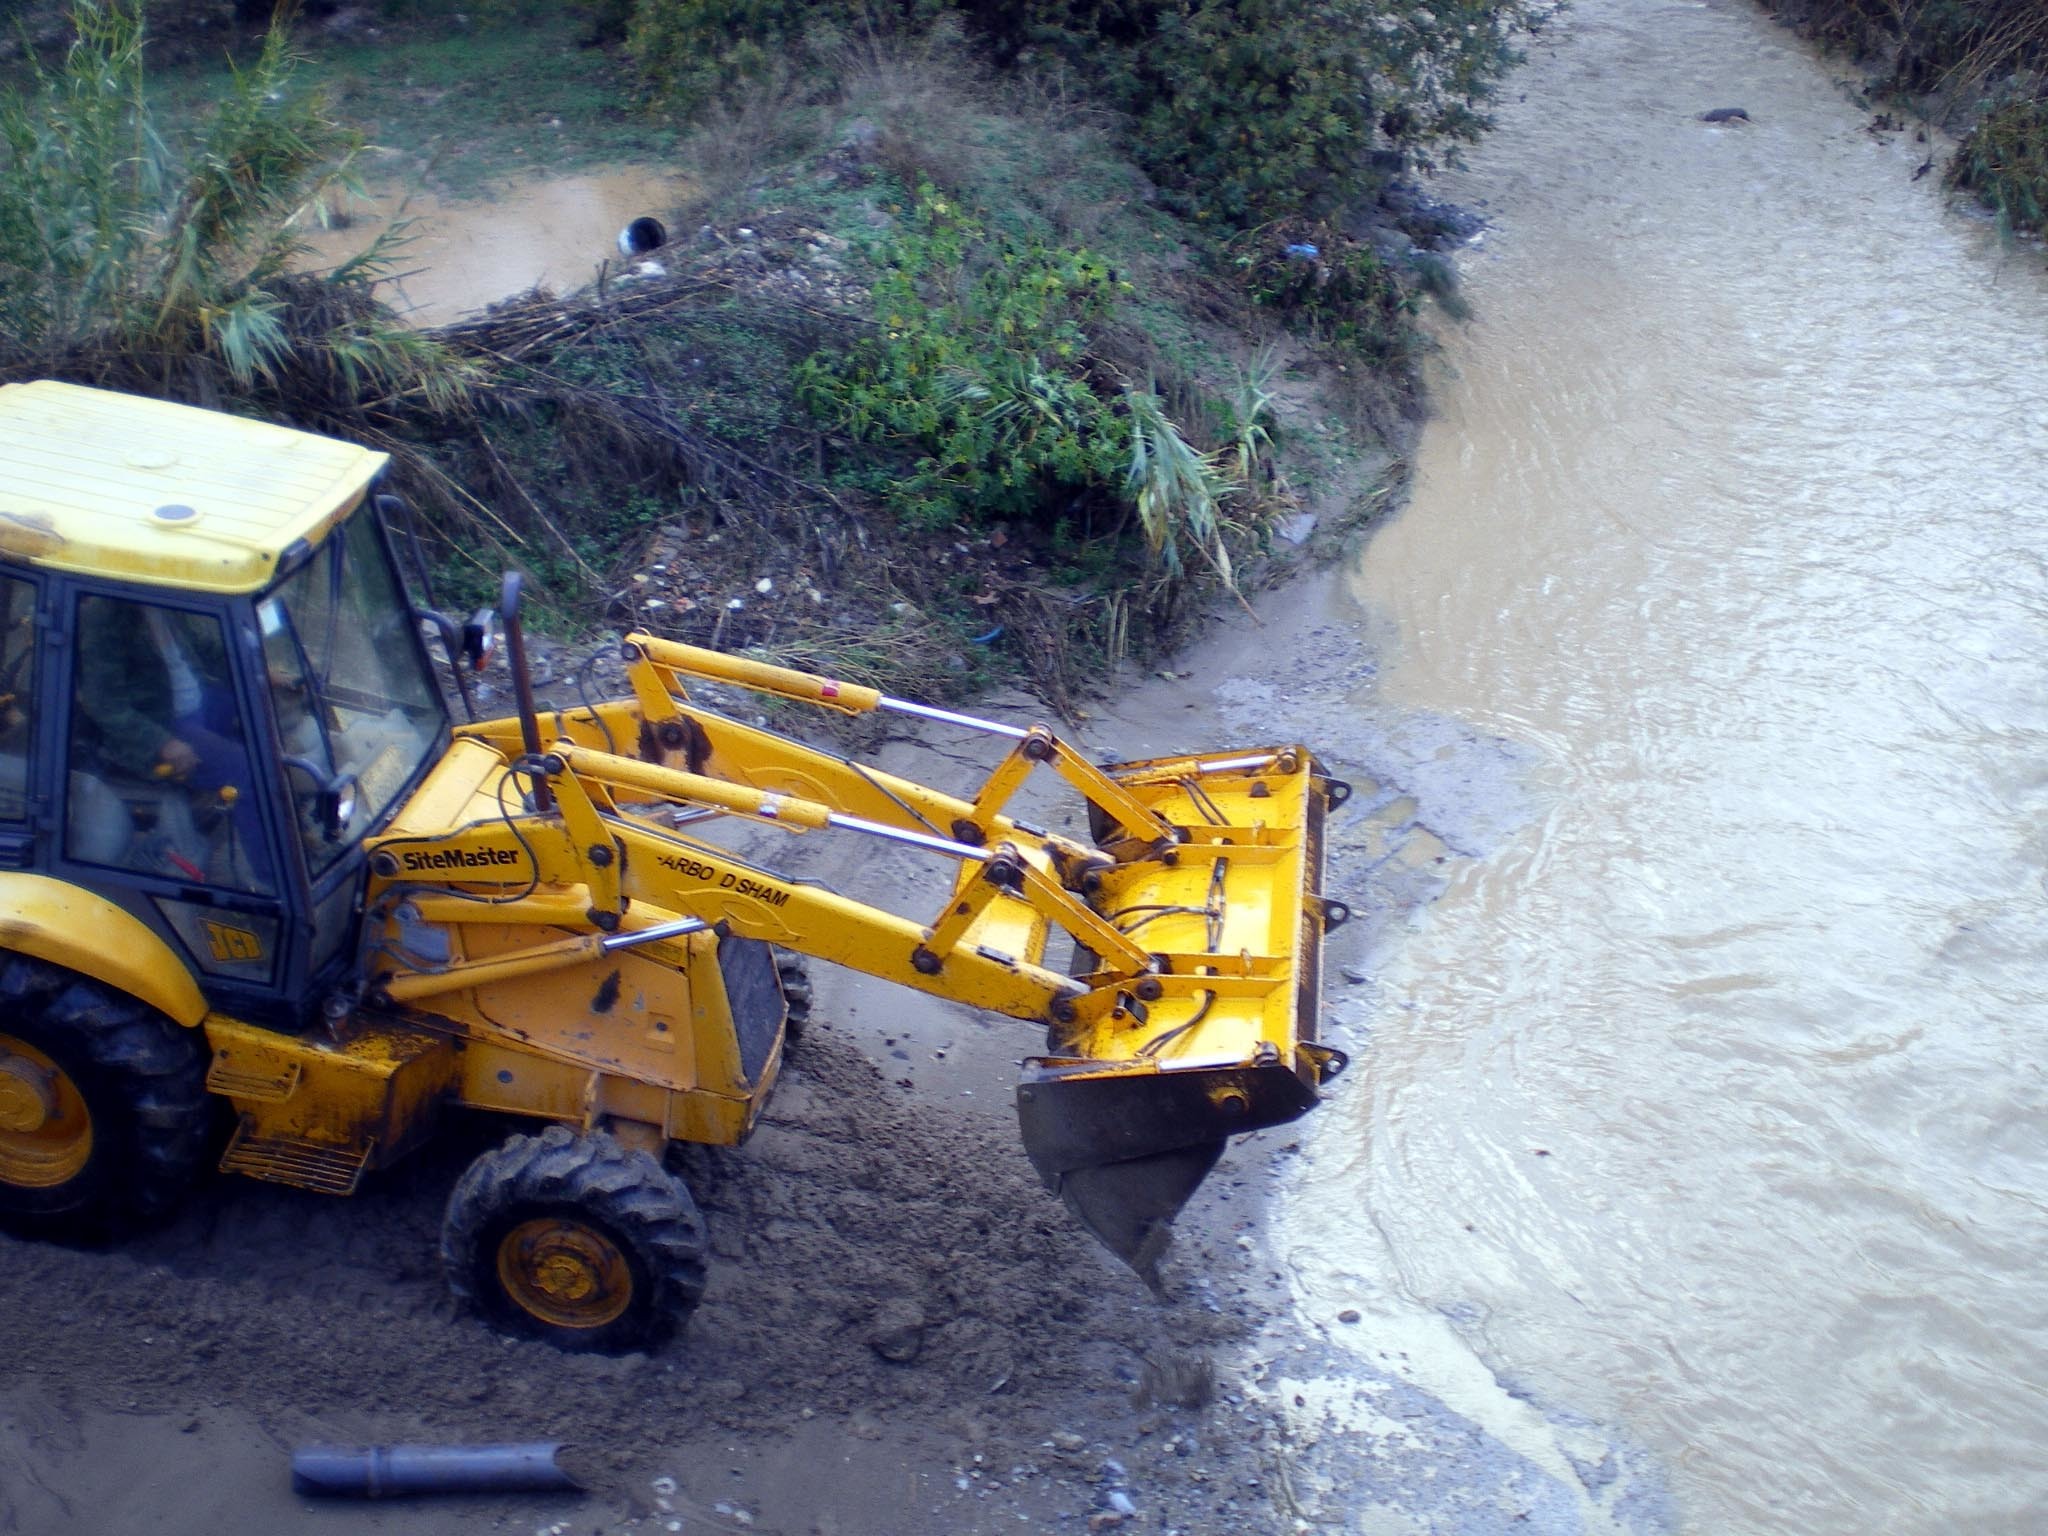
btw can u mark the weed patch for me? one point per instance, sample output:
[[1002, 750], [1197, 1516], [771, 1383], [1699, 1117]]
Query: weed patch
[[978, 369], [1245, 110], [981, 368], [1981, 65], [2004, 161], [446, 98], [1334, 289]]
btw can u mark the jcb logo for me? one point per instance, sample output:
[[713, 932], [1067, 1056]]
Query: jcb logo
[[233, 943]]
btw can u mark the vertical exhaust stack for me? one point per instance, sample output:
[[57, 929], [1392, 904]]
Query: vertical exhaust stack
[[522, 680]]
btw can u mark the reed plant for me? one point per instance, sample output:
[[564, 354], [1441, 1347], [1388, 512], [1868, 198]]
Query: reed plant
[[1178, 492], [2004, 160], [1248, 413], [131, 260]]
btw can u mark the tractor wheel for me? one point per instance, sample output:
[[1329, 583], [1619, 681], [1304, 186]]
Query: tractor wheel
[[795, 976], [577, 1240], [104, 1115]]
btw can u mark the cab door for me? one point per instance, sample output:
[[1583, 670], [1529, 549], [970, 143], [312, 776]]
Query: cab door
[[166, 799]]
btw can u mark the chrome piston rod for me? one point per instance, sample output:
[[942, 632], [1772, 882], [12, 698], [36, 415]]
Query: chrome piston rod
[[948, 717], [611, 944], [906, 837]]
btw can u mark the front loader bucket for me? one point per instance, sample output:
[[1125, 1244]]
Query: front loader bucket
[[1133, 1109], [1125, 1147]]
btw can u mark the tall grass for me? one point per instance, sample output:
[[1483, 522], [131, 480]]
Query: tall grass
[[2004, 160]]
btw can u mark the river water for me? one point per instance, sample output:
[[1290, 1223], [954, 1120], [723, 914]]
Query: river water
[[1704, 1108]]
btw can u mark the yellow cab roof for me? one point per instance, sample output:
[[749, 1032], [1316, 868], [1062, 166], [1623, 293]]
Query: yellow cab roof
[[131, 489]]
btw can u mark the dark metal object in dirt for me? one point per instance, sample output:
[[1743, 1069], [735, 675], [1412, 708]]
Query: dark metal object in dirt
[[1126, 1152], [384, 1471], [1725, 115]]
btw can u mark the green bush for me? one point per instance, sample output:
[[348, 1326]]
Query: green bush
[[978, 370], [1251, 110], [2004, 160], [693, 52], [1343, 295], [607, 19], [688, 50]]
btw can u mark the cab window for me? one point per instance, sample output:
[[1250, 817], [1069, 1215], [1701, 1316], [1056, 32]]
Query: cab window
[[161, 777], [17, 692], [357, 711]]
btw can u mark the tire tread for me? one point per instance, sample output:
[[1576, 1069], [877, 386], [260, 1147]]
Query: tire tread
[[624, 1188], [159, 1071]]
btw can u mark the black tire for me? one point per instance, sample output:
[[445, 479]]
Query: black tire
[[577, 1240], [139, 1081], [795, 975]]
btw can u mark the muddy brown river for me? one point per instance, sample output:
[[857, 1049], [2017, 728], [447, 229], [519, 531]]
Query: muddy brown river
[[1701, 1128]]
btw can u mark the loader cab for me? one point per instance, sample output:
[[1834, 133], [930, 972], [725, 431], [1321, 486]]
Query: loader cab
[[200, 724]]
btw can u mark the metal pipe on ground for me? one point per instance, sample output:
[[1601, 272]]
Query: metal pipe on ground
[[386, 1471]]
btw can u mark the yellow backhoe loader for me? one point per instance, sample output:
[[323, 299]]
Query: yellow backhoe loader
[[247, 860]]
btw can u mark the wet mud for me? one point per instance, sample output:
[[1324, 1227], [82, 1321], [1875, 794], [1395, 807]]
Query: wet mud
[[455, 256]]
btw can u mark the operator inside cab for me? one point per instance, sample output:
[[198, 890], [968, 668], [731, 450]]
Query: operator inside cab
[[156, 711]]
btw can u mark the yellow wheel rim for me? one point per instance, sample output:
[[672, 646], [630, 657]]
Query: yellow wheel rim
[[45, 1128], [565, 1273]]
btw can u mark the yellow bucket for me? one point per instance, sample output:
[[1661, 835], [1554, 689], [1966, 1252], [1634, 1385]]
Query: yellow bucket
[[1133, 1103]]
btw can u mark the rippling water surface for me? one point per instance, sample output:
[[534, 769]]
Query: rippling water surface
[[1709, 1100]]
